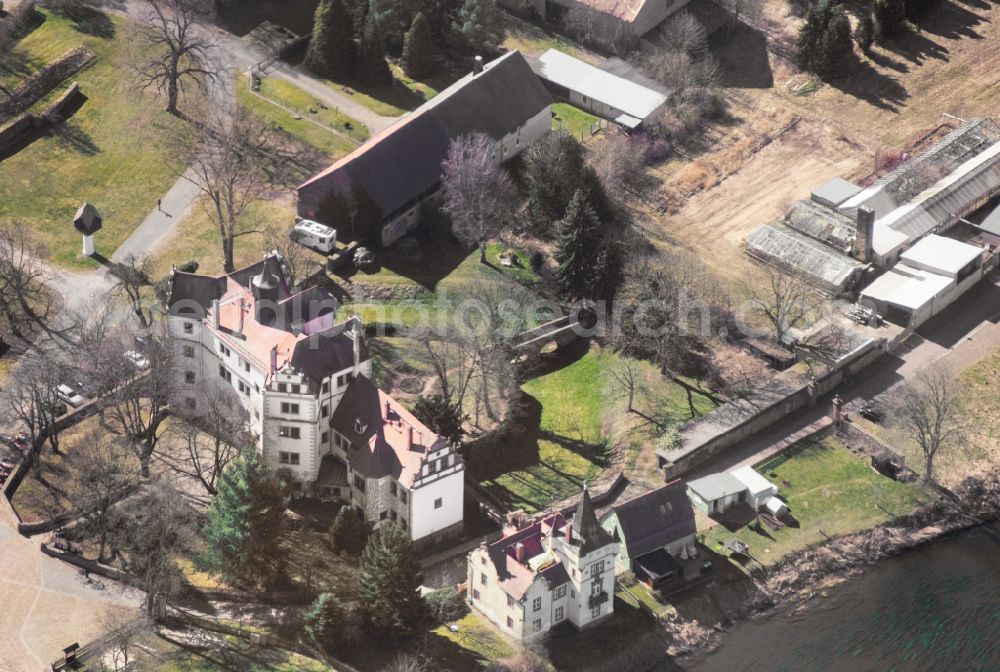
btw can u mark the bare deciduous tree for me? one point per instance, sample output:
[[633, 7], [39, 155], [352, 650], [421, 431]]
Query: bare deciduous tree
[[233, 164], [296, 258], [161, 526], [779, 299], [104, 471], [30, 391], [211, 440], [683, 33], [123, 638], [131, 280], [620, 163], [27, 302], [929, 409], [478, 192], [175, 50], [136, 403]]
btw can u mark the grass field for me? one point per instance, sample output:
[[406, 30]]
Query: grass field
[[197, 239], [222, 653], [295, 98], [115, 152], [315, 136], [573, 119], [830, 492], [533, 40]]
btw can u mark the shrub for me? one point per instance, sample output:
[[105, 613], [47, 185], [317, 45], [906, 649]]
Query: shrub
[[446, 605], [890, 17], [864, 33]]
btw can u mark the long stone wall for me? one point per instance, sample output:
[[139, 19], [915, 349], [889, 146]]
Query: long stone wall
[[42, 82]]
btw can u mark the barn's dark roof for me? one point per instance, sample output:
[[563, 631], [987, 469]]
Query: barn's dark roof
[[404, 161], [655, 519]]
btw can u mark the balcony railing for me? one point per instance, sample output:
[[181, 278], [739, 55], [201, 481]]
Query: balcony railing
[[598, 599]]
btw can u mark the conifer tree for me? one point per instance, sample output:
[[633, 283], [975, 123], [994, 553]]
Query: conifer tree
[[835, 47], [331, 50], [390, 579], [588, 262], [418, 49], [243, 527], [890, 17], [324, 620], [480, 24], [441, 415], [347, 533], [372, 70], [864, 34]]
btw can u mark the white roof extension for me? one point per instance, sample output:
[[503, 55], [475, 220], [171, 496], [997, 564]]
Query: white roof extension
[[938, 254], [633, 99], [754, 482], [907, 287]]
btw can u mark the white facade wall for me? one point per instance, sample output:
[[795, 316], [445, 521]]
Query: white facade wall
[[424, 518]]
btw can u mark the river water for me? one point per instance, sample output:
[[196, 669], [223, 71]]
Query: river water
[[933, 609]]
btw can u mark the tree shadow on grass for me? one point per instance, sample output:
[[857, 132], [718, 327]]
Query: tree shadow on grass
[[742, 55], [73, 137], [953, 21], [89, 21], [866, 83]]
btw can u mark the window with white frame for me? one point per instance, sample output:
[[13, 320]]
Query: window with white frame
[[537, 624], [559, 614], [288, 458], [597, 568], [560, 592], [289, 409], [286, 432], [595, 612], [536, 604], [225, 374]]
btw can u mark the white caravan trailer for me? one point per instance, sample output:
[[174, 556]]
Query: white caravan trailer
[[315, 235]]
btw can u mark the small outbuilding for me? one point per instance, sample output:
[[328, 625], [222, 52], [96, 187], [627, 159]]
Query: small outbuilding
[[758, 488], [716, 493]]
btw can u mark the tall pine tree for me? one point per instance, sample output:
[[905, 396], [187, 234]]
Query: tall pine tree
[[418, 49], [589, 264], [372, 70], [347, 533], [243, 527], [389, 581], [331, 50]]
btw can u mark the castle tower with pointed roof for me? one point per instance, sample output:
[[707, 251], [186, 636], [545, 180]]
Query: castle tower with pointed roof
[[547, 572]]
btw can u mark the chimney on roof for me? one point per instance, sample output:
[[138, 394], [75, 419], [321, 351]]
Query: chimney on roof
[[274, 359], [477, 65], [519, 552], [388, 409], [409, 437], [215, 314], [568, 529], [242, 316], [356, 335], [865, 234]]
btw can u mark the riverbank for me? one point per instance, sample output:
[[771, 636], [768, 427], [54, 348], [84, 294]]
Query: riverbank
[[801, 576]]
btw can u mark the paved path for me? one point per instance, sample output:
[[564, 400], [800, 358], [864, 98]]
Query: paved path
[[175, 205], [46, 605], [334, 98]]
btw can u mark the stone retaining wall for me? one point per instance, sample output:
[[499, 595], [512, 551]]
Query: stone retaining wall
[[42, 82]]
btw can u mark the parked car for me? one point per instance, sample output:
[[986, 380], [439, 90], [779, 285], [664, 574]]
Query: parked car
[[872, 412], [138, 359], [70, 396]]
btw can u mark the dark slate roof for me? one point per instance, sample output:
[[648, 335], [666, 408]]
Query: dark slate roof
[[327, 352], [587, 531], [403, 162], [655, 519], [361, 403], [186, 288], [331, 471], [555, 574]]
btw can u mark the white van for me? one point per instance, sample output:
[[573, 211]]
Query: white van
[[315, 235]]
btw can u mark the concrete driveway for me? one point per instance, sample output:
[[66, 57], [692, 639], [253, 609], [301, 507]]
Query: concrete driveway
[[46, 605]]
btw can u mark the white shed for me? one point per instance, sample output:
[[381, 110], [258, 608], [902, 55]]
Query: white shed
[[758, 488]]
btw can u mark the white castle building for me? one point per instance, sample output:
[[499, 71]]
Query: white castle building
[[548, 572], [306, 382]]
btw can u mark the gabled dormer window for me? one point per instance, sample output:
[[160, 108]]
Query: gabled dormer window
[[360, 426]]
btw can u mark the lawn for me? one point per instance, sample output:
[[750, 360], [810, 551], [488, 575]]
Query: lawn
[[296, 99], [573, 119], [222, 653], [196, 239], [326, 141], [423, 89], [475, 644], [115, 152], [571, 437], [830, 492]]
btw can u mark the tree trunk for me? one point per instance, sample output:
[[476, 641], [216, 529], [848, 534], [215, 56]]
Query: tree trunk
[[172, 91], [227, 255], [482, 252]]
